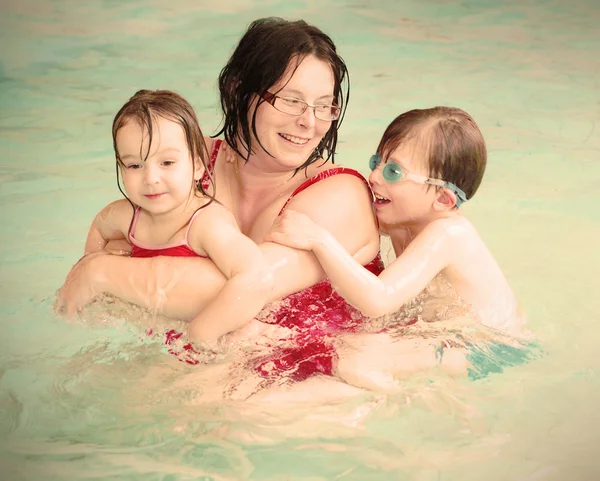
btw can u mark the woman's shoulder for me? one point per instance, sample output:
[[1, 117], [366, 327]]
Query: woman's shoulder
[[332, 191], [340, 200]]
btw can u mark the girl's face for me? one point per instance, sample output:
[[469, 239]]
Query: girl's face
[[290, 139], [403, 203], [165, 181]]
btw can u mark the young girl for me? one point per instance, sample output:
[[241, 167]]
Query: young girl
[[427, 164], [161, 157]]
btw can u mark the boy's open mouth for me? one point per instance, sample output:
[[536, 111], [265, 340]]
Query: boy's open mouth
[[379, 200]]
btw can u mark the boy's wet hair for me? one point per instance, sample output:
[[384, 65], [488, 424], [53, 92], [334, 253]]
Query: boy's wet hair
[[145, 107], [259, 61], [450, 139]]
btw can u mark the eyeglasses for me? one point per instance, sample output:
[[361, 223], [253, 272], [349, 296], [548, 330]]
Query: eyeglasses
[[292, 106], [393, 172]]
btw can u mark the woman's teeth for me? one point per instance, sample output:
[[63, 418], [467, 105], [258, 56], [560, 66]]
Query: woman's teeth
[[294, 140]]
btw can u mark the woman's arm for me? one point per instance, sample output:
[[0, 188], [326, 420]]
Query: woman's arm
[[181, 287], [427, 255], [240, 260]]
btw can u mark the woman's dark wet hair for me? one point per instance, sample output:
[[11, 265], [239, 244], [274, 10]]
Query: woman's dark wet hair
[[260, 61], [144, 108], [449, 139]]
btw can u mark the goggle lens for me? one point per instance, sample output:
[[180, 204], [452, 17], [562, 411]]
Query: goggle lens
[[374, 161], [392, 172]]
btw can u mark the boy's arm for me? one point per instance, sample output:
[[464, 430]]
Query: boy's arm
[[241, 261], [110, 224], [428, 254]]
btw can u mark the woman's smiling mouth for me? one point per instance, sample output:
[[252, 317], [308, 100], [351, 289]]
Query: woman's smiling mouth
[[294, 140]]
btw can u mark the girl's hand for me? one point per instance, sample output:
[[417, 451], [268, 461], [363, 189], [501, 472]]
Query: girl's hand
[[118, 247], [295, 230]]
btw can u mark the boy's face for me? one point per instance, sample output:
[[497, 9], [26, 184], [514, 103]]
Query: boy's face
[[403, 202]]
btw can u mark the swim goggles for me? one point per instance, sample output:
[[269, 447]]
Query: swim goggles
[[392, 172]]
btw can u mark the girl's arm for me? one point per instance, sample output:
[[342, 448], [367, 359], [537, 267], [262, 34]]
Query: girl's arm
[[427, 255], [110, 224], [248, 280]]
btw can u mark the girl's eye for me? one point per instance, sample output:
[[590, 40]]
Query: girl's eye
[[134, 166], [168, 162]]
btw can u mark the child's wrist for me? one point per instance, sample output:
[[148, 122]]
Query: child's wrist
[[322, 240]]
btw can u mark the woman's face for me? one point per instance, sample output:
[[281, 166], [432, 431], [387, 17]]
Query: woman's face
[[290, 139]]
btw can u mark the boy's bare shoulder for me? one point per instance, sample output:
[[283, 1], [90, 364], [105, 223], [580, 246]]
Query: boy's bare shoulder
[[455, 227]]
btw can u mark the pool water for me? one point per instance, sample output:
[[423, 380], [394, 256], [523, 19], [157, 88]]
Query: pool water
[[98, 399]]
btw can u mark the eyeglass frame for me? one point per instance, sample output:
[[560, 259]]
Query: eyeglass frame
[[271, 97], [461, 197]]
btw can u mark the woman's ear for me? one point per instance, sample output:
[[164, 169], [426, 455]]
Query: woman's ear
[[445, 200]]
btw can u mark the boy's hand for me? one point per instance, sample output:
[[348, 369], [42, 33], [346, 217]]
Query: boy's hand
[[295, 230]]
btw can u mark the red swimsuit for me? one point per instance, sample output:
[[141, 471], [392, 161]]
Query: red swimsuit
[[315, 315], [178, 249]]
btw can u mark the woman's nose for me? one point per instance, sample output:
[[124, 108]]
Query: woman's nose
[[307, 119]]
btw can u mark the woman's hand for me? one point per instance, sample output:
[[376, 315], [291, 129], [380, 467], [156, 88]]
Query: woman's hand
[[79, 287], [296, 230]]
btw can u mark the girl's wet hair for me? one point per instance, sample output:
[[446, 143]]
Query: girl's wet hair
[[145, 107], [260, 60], [450, 140]]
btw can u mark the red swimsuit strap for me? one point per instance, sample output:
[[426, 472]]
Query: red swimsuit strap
[[324, 175], [210, 168], [213, 155]]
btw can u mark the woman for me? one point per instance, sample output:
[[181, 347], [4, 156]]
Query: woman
[[283, 101]]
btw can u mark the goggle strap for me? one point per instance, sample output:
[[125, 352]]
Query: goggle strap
[[458, 192]]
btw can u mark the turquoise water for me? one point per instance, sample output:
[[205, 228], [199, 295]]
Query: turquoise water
[[98, 400]]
